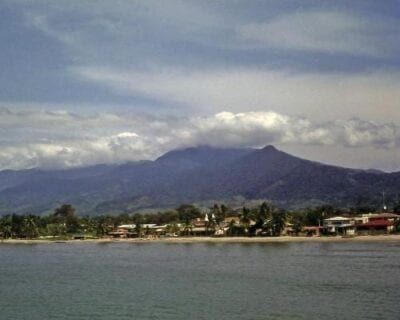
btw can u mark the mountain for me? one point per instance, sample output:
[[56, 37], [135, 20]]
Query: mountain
[[202, 174]]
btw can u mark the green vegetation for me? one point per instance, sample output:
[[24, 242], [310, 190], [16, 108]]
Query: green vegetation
[[262, 220]]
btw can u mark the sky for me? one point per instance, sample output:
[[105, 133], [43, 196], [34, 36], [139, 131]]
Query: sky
[[89, 82]]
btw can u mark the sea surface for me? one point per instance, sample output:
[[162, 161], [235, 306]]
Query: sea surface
[[200, 281]]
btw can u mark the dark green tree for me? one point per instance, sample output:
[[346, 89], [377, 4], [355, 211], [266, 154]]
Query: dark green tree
[[297, 220], [5, 226], [29, 228], [66, 215], [138, 220], [278, 219], [17, 223], [187, 213], [102, 225]]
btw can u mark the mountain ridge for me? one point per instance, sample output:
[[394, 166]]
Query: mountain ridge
[[196, 174]]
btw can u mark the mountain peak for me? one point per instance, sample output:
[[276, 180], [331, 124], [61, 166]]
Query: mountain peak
[[269, 147], [203, 154]]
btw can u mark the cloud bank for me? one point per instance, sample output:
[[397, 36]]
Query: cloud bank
[[49, 139]]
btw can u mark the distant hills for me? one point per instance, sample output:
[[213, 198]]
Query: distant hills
[[195, 175]]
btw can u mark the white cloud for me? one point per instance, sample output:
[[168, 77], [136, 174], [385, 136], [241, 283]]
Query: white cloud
[[255, 129], [367, 133], [259, 128], [61, 139], [117, 148]]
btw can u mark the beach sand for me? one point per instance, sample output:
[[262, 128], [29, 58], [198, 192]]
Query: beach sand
[[370, 238]]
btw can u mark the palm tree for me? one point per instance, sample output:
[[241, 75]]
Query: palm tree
[[218, 213], [245, 219], [172, 228], [30, 228], [278, 219], [261, 217], [187, 227], [102, 225]]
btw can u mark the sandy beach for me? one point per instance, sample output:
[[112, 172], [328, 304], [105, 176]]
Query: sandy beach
[[283, 239]]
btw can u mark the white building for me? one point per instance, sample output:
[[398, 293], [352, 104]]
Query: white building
[[339, 225]]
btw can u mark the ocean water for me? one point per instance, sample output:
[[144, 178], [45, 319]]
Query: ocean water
[[200, 281]]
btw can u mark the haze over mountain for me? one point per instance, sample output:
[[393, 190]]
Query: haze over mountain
[[195, 175]]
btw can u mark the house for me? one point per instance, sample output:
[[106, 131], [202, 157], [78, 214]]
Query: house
[[232, 220], [364, 218], [208, 226], [202, 226], [384, 216], [123, 233], [339, 226], [376, 223], [129, 231], [376, 227]]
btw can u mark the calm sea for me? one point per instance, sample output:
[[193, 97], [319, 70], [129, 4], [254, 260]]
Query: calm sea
[[200, 281]]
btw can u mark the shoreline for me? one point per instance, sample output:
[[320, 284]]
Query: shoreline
[[282, 239]]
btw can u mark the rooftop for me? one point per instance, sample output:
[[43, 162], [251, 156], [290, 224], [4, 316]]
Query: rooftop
[[378, 223], [338, 219]]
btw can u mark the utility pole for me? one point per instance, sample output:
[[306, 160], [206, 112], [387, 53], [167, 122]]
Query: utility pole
[[383, 201]]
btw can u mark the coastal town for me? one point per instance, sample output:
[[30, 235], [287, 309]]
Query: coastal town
[[190, 222], [365, 224]]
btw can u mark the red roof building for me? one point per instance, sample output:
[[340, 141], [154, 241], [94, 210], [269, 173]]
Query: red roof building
[[376, 226]]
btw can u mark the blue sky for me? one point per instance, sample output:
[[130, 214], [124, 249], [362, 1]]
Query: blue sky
[[86, 82]]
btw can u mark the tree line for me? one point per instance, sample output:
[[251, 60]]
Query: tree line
[[65, 221]]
